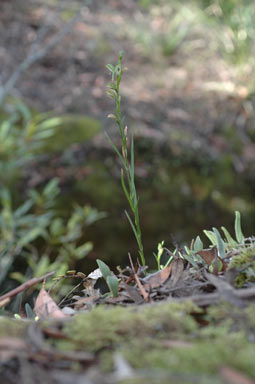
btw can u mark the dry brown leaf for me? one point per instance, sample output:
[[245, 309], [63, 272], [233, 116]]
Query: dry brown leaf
[[82, 302], [232, 376], [45, 306], [156, 279], [209, 255], [133, 293], [176, 272]]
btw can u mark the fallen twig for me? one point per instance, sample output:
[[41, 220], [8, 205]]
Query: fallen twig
[[141, 288], [23, 287]]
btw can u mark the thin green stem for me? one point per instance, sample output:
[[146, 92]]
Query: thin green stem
[[127, 173]]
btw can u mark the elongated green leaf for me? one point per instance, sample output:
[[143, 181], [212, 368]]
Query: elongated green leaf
[[190, 260], [45, 134], [229, 238], [30, 236], [238, 230], [187, 250], [23, 209], [132, 164], [83, 250], [52, 188], [110, 67], [133, 227], [5, 198], [29, 312], [211, 236], [113, 146], [220, 243], [50, 123], [198, 244], [105, 270], [113, 284], [168, 261]]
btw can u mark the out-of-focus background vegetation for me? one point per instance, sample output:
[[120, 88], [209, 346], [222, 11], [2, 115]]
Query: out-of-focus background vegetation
[[188, 97]]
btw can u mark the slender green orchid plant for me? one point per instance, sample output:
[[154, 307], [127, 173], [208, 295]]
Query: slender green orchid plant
[[127, 160]]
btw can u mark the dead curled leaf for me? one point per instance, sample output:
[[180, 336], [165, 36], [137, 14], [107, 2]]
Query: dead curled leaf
[[208, 255], [158, 278], [45, 306]]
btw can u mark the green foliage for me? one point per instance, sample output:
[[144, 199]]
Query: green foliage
[[69, 129], [111, 280], [25, 134], [35, 237], [128, 170], [37, 224], [159, 254], [105, 270], [22, 134], [235, 20], [175, 23], [228, 243], [231, 23], [223, 245]]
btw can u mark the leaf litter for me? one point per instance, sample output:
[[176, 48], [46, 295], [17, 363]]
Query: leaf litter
[[54, 343]]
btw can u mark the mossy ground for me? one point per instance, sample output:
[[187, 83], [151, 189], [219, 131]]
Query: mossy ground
[[12, 328], [244, 263], [72, 129], [167, 339], [166, 342]]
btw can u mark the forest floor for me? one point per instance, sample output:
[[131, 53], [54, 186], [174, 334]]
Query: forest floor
[[178, 325]]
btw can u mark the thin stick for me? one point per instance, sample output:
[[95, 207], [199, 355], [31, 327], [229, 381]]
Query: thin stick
[[142, 290], [25, 286]]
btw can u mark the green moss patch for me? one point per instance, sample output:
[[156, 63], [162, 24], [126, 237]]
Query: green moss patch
[[108, 327], [12, 328], [71, 129], [166, 338], [244, 263]]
